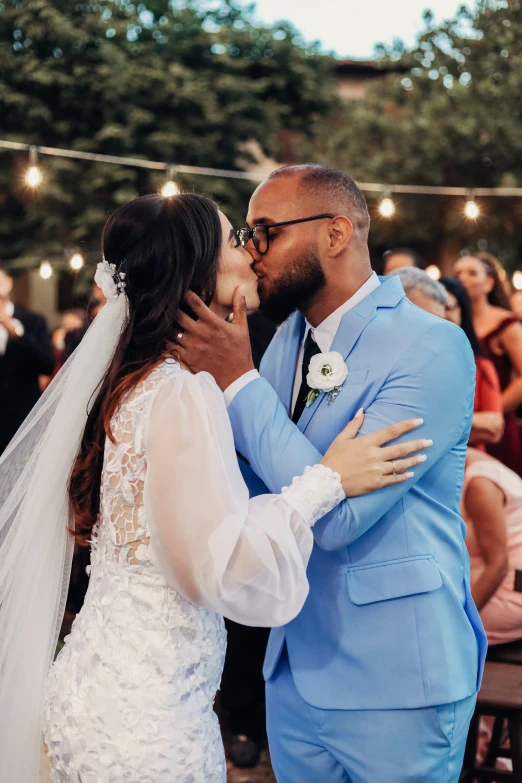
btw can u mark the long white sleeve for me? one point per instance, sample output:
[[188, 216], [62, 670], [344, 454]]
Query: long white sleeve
[[245, 559]]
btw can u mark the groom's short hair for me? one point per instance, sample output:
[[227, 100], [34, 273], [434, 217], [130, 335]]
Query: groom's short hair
[[332, 186]]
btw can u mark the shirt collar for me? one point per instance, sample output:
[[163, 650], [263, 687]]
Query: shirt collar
[[324, 333]]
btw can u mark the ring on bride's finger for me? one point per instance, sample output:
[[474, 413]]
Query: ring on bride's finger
[[393, 466], [179, 335]]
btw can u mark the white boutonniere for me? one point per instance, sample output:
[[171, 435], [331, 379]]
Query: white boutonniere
[[326, 374]]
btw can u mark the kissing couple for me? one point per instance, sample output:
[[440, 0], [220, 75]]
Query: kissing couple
[[333, 527]]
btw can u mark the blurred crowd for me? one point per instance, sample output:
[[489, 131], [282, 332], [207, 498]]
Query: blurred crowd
[[476, 299]]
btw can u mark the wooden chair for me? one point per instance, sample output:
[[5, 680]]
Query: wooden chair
[[506, 653], [501, 697]]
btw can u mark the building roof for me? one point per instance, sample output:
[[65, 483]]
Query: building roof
[[368, 67]]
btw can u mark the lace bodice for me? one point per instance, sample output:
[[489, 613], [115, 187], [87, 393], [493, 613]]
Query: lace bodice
[[177, 544]]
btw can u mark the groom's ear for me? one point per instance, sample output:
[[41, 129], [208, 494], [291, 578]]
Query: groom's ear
[[340, 233]]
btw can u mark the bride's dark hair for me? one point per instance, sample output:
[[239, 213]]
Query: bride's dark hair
[[164, 246]]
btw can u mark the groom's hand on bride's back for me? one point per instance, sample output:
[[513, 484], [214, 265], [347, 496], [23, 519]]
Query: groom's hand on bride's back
[[366, 463], [211, 344]]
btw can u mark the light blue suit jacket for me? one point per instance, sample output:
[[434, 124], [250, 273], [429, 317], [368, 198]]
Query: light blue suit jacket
[[389, 622]]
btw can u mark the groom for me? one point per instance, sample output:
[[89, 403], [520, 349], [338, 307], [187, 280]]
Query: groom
[[375, 681]]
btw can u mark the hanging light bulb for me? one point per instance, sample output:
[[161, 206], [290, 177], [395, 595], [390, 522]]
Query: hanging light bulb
[[433, 271], [517, 280], [171, 187], [76, 261], [471, 208], [33, 175], [46, 270], [387, 207]]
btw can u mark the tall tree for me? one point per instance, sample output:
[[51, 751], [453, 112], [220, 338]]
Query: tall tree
[[453, 118], [159, 80]]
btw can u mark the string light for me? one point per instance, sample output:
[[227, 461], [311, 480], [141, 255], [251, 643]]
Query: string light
[[171, 187], [433, 271], [517, 280], [471, 208], [387, 207], [33, 175], [46, 270], [76, 261]]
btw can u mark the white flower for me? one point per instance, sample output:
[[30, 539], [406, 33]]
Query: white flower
[[104, 280], [326, 371]]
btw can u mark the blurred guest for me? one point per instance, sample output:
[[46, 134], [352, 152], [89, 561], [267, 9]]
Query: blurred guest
[[70, 321], [261, 331], [420, 289], [25, 353], [74, 337], [488, 420], [242, 692], [516, 304], [400, 257], [492, 510], [500, 335]]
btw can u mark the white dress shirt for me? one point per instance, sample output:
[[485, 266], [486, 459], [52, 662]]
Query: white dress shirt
[[323, 335], [4, 334]]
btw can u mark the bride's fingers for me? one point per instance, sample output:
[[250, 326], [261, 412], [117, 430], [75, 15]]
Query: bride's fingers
[[396, 478], [400, 465], [353, 426], [403, 449], [394, 431]]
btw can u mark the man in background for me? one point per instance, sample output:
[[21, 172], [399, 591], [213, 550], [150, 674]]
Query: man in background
[[424, 292], [401, 257], [26, 352]]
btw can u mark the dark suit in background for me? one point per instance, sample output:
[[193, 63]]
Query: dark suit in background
[[25, 359], [242, 691]]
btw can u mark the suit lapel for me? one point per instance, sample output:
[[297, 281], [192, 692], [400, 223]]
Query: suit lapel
[[283, 354], [352, 325]]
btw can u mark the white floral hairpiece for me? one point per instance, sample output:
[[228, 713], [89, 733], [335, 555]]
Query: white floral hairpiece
[[110, 279]]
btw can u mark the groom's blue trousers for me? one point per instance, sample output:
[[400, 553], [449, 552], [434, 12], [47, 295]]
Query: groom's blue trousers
[[311, 745]]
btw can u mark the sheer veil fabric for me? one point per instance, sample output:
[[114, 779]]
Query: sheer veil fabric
[[35, 547]]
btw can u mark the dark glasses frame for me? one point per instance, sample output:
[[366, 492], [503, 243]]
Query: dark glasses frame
[[244, 235]]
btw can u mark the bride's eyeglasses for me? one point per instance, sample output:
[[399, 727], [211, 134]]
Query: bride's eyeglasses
[[260, 233]]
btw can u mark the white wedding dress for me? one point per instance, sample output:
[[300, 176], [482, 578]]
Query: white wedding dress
[[178, 544]]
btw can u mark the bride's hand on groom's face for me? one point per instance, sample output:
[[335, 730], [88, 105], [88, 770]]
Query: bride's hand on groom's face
[[213, 345]]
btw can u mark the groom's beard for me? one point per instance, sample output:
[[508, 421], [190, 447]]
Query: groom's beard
[[297, 283]]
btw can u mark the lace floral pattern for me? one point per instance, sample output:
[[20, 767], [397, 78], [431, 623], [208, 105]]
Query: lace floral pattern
[[315, 493], [130, 697]]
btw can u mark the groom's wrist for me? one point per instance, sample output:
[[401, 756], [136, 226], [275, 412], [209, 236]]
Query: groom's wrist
[[236, 386]]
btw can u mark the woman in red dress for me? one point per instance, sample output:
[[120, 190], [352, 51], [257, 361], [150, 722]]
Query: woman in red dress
[[488, 419], [500, 336]]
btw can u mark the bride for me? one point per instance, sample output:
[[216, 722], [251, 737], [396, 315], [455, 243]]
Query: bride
[[130, 453]]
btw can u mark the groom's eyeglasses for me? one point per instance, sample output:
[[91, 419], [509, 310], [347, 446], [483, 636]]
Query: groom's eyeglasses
[[260, 233]]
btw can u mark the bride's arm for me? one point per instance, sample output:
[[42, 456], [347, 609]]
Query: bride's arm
[[245, 559]]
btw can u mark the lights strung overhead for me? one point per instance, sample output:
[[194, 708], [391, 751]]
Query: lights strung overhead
[[517, 280], [387, 207], [171, 187], [76, 261], [33, 175], [46, 270], [433, 271], [471, 208]]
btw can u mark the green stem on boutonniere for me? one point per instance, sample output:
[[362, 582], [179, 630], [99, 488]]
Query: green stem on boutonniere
[[312, 396]]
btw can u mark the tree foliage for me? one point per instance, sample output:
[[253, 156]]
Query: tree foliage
[[159, 80], [451, 116]]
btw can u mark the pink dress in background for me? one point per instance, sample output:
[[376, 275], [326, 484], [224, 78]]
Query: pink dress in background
[[502, 615]]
